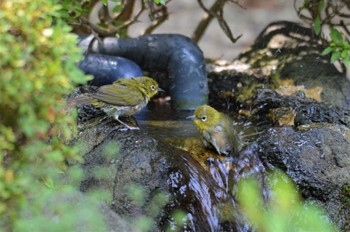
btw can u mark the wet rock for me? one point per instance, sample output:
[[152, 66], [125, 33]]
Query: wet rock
[[314, 150], [116, 160], [335, 85], [286, 54], [114, 222], [306, 110], [300, 105], [318, 161]]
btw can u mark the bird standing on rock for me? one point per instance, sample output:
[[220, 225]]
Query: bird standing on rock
[[217, 130], [124, 97]]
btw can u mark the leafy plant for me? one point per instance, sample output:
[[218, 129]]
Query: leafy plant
[[339, 47], [284, 211], [153, 207], [333, 15], [38, 68]]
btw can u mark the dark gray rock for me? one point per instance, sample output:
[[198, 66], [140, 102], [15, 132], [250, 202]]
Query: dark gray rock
[[314, 148], [116, 160], [314, 152], [318, 160], [293, 52]]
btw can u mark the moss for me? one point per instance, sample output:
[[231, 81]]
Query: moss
[[345, 194], [247, 91]]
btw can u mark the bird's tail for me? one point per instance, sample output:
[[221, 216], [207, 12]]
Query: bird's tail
[[79, 100]]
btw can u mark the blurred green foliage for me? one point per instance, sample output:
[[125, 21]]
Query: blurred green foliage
[[284, 211], [178, 221], [329, 18], [153, 206], [71, 10], [159, 1], [38, 68]]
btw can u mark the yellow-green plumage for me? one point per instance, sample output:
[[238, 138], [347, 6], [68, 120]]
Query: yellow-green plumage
[[217, 130], [124, 97]]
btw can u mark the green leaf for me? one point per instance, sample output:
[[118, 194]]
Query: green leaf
[[335, 56], [344, 54], [118, 8], [336, 35], [49, 183], [317, 25], [284, 209], [327, 51], [346, 61], [104, 2], [321, 6], [160, 1]]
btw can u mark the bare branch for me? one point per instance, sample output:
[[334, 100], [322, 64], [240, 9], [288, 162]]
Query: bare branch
[[215, 11], [158, 14], [158, 22], [126, 12], [203, 24], [236, 2], [345, 28], [99, 31], [225, 27], [134, 19]]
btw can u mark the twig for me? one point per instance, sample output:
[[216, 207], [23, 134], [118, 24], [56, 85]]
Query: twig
[[101, 32], [95, 30], [224, 26], [159, 21], [134, 19], [345, 28], [203, 24], [237, 3], [212, 13], [126, 12]]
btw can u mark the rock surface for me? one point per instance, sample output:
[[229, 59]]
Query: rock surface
[[133, 158], [284, 77], [316, 155]]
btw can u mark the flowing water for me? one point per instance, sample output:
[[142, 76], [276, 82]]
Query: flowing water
[[207, 192]]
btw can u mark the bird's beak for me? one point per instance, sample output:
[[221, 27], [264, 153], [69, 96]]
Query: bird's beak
[[160, 90], [191, 117]]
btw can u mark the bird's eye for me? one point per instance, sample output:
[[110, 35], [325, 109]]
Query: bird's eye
[[153, 87], [204, 118]]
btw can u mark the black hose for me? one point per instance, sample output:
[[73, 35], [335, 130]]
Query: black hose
[[106, 69], [176, 54]]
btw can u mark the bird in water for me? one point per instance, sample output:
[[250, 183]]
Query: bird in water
[[217, 130], [124, 97]]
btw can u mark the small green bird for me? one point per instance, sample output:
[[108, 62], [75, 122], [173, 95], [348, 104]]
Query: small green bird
[[217, 130], [124, 97]]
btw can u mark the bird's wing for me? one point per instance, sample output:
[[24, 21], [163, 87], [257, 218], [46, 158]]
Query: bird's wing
[[79, 100], [119, 95], [219, 128]]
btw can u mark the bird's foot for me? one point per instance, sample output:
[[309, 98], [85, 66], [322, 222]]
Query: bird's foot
[[126, 126]]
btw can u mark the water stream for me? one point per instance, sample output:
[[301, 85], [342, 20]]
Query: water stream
[[207, 192]]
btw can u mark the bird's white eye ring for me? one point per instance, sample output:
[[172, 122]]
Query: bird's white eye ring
[[204, 118], [153, 87]]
